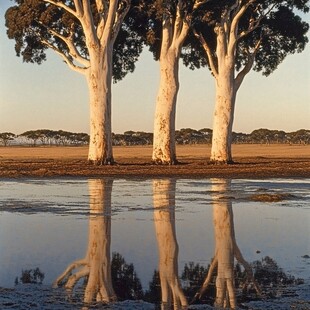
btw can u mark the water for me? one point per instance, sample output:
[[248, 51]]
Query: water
[[159, 224]]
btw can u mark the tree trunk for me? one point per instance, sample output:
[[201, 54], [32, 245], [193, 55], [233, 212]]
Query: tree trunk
[[223, 117], [164, 218], [164, 125], [99, 79]]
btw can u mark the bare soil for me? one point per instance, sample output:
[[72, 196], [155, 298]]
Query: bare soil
[[251, 161]]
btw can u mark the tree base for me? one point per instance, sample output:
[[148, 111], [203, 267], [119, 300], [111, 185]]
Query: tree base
[[221, 162], [102, 162], [164, 162]]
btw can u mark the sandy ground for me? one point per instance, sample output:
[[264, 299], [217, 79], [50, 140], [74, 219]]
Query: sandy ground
[[251, 161]]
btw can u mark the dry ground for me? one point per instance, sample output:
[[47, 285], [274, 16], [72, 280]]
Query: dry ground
[[251, 161]]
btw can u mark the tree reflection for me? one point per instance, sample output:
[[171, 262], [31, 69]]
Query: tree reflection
[[226, 249], [164, 217], [125, 281], [96, 266]]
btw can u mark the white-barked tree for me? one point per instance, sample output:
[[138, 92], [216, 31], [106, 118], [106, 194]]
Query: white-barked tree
[[168, 23], [234, 37], [93, 39]]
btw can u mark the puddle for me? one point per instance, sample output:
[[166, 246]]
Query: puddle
[[72, 230]]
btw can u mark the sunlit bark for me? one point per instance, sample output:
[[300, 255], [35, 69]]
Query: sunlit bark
[[97, 66], [222, 62], [226, 249], [99, 80], [97, 263], [164, 151], [164, 217], [175, 28]]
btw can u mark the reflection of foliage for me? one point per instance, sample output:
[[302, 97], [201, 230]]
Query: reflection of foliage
[[33, 276], [272, 278], [124, 279], [193, 276], [153, 294]]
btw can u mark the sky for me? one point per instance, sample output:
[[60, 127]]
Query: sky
[[52, 96]]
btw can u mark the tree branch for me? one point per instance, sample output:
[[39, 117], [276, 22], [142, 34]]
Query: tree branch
[[88, 25], [254, 24], [248, 66], [67, 60], [102, 9], [166, 33], [62, 6], [211, 58], [122, 10], [73, 51], [239, 13], [78, 8], [181, 27], [198, 3], [110, 19]]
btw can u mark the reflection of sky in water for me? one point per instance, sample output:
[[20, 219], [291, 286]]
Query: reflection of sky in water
[[35, 233]]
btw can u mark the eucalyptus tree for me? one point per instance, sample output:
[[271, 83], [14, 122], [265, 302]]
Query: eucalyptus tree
[[236, 36], [167, 26], [6, 137], [83, 33]]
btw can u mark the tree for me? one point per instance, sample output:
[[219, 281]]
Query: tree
[[83, 33], [33, 135], [6, 137], [168, 24], [235, 37]]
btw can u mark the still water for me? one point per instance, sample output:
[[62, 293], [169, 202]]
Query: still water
[[103, 239]]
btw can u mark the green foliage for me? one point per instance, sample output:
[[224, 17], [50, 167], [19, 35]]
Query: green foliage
[[59, 137], [183, 136], [280, 30], [157, 14], [36, 26], [6, 137]]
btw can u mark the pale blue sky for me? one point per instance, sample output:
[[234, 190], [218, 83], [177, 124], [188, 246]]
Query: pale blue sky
[[54, 97]]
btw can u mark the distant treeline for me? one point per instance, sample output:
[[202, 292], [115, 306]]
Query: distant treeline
[[183, 136]]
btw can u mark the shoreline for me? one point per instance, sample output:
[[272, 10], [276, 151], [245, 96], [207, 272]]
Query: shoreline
[[251, 161]]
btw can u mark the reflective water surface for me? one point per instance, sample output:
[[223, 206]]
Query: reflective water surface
[[161, 243]]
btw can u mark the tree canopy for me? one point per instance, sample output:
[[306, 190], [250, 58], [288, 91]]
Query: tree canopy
[[263, 33], [37, 25]]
